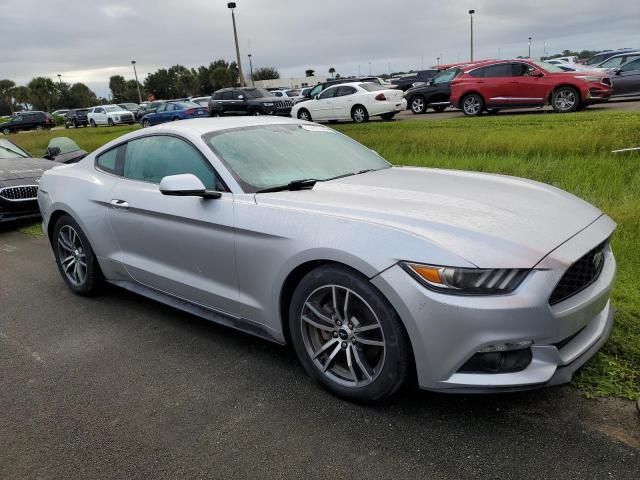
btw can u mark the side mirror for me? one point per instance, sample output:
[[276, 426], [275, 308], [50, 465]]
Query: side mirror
[[431, 83], [617, 71], [317, 97], [186, 185], [537, 73], [52, 152]]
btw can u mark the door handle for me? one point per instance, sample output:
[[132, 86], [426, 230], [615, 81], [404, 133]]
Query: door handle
[[119, 204]]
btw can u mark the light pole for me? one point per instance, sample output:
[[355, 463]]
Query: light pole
[[231, 6], [471, 12], [529, 48], [253, 84], [135, 74], [60, 79], [369, 68], [438, 60]]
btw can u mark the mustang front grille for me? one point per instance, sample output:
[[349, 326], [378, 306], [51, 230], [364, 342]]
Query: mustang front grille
[[579, 275], [19, 193]]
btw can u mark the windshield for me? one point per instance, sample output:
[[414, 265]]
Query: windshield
[[128, 106], [256, 93], [11, 150], [268, 156], [548, 67], [598, 58], [445, 76], [372, 87], [65, 144]]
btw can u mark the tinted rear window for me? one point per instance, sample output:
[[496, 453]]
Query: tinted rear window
[[372, 87]]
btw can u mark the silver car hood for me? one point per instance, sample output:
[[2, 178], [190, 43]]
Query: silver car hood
[[493, 221]]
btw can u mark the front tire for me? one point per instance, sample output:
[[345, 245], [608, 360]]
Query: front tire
[[565, 100], [75, 258], [110, 122], [303, 114], [6, 131], [472, 105], [347, 336], [146, 124], [92, 124], [359, 114]]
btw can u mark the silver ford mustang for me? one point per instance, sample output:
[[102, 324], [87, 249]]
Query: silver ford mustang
[[375, 274]]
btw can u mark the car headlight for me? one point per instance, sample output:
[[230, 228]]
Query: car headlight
[[589, 78], [467, 281], [268, 104]]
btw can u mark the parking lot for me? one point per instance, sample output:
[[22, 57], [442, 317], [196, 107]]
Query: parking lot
[[121, 387]]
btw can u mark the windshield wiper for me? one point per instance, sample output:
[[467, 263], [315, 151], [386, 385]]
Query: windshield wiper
[[13, 151], [293, 185]]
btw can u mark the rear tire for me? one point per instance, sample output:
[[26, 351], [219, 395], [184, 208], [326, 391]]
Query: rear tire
[[110, 122], [215, 113], [359, 114], [565, 100], [39, 128], [303, 114], [418, 105], [175, 119], [92, 124], [255, 113], [146, 124], [75, 258], [347, 336], [472, 105], [6, 131]]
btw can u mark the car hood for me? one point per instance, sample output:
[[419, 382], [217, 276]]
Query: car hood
[[18, 168], [492, 221]]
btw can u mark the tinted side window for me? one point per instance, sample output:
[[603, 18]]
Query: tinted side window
[[478, 72], [519, 69], [635, 65], [108, 161], [227, 95], [343, 91], [150, 159], [329, 93], [216, 96], [502, 70]]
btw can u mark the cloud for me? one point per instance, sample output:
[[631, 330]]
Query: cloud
[[88, 40]]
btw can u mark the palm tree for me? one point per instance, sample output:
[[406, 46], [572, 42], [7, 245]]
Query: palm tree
[[332, 71]]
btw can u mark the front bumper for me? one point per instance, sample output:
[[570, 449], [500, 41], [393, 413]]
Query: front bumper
[[447, 330]]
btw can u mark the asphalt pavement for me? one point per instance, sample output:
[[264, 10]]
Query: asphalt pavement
[[117, 386]]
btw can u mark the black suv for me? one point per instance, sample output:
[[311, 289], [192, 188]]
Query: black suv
[[28, 121], [435, 93], [405, 83], [76, 118], [247, 101]]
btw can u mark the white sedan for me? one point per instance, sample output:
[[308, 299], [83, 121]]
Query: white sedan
[[355, 101]]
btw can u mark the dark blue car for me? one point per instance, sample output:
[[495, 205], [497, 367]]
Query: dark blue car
[[172, 111]]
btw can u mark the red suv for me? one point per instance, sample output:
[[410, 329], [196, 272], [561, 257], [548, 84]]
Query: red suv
[[526, 83]]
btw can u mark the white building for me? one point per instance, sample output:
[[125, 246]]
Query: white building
[[299, 82]]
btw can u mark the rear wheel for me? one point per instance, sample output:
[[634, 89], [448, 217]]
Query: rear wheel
[[565, 100], [66, 125], [347, 336], [110, 122], [146, 124], [303, 114], [418, 105], [39, 128], [472, 105], [256, 113], [6, 131], [75, 258], [175, 119], [359, 114], [215, 113], [92, 123]]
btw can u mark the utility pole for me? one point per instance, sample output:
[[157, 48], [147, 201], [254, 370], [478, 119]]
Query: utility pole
[[231, 6], [135, 74], [529, 48], [253, 84], [471, 12]]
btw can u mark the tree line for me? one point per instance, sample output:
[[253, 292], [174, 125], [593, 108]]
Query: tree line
[[43, 93]]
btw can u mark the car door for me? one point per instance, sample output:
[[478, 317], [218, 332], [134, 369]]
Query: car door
[[626, 79], [225, 102], [183, 246], [101, 116], [322, 108], [18, 123], [497, 82], [527, 85], [343, 102]]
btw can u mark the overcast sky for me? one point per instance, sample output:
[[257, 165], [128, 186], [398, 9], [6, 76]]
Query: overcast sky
[[90, 40]]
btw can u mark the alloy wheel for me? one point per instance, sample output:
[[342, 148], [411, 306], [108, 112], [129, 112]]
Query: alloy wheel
[[471, 105], [565, 100], [146, 124], [6, 131], [304, 115], [72, 256], [359, 115], [343, 336], [417, 105]]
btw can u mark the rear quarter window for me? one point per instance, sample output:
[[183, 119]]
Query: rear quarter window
[[108, 161]]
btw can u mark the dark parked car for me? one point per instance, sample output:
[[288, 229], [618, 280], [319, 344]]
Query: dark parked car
[[172, 111], [19, 179], [626, 79], [602, 56], [76, 118], [27, 121], [405, 83], [435, 93], [64, 150], [247, 101]]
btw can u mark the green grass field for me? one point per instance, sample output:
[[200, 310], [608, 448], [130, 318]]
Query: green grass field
[[572, 152]]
